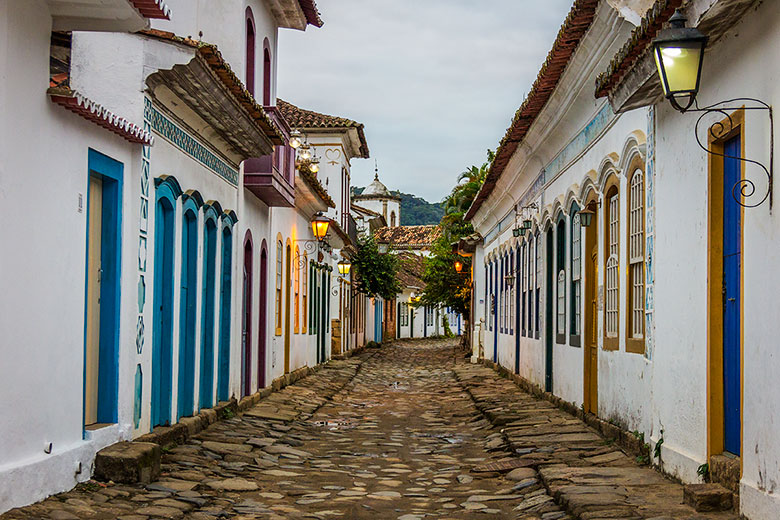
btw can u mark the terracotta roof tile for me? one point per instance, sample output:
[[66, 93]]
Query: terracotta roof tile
[[300, 118], [310, 11], [91, 111], [213, 58], [408, 237], [577, 23], [636, 46], [314, 183], [152, 9], [410, 270], [365, 210]]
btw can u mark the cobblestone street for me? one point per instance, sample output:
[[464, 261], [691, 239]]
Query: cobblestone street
[[399, 432]]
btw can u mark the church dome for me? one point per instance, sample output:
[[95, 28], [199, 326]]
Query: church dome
[[377, 190]]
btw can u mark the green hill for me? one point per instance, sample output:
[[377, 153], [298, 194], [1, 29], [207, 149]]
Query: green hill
[[415, 211]]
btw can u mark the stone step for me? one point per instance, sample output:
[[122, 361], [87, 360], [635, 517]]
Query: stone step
[[708, 497], [128, 462]]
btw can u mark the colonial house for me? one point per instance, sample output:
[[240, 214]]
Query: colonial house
[[377, 198], [617, 266], [711, 376], [160, 170], [400, 318], [335, 141]]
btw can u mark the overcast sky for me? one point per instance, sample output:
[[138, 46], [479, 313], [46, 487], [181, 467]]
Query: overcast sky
[[436, 82]]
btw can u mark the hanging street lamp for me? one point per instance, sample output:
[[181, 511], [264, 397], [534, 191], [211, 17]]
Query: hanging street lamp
[[458, 266], [679, 54], [304, 152], [344, 266], [295, 139], [314, 165], [319, 226]]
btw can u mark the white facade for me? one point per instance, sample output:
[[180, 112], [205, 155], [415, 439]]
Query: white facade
[[177, 210], [641, 352]]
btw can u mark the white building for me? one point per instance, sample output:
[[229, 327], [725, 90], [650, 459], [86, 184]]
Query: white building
[[377, 198], [157, 173], [626, 317]]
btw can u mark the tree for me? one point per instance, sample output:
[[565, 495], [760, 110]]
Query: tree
[[376, 273], [444, 285]]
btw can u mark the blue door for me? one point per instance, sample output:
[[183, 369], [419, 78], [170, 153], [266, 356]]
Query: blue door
[[206, 391], [225, 292], [187, 308], [162, 347], [732, 273]]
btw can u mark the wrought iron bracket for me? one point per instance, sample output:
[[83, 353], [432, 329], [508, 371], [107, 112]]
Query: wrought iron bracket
[[744, 188], [309, 246]]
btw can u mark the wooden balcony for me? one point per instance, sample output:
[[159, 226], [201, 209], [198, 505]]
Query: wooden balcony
[[272, 177]]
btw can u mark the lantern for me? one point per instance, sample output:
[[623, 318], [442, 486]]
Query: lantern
[[320, 225], [586, 217], [314, 165], [679, 54], [458, 266], [304, 152], [295, 139], [527, 224], [344, 266]]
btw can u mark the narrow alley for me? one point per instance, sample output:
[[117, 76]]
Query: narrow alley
[[403, 431]]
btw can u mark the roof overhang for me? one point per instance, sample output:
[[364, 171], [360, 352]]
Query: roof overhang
[[91, 111], [195, 74], [105, 15], [310, 196], [295, 14], [632, 79]]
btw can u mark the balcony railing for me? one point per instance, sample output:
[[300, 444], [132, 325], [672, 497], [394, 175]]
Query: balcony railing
[[272, 177]]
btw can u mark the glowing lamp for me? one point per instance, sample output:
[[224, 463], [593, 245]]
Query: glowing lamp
[[295, 139], [304, 152], [679, 54], [344, 267], [320, 225], [458, 266], [314, 165]]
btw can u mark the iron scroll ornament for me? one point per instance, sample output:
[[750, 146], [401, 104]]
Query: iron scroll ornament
[[309, 246], [744, 188]]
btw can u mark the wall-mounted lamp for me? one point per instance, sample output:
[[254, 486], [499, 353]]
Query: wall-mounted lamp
[[586, 217], [344, 266], [458, 266], [319, 226], [679, 55]]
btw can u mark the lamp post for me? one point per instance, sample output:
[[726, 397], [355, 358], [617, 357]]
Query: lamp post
[[679, 55]]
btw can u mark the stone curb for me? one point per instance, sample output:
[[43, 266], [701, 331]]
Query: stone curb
[[130, 461], [625, 439]]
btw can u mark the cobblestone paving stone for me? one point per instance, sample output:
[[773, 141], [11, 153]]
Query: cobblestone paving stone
[[402, 432]]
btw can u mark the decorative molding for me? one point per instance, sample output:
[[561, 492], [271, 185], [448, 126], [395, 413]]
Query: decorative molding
[[182, 140]]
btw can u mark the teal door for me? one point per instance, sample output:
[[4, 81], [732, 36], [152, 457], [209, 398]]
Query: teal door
[[187, 308], [206, 392], [225, 293], [732, 323], [162, 342]]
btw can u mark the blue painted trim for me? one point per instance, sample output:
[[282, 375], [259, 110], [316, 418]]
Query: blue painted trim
[[188, 301], [230, 217], [215, 205], [111, 172], [162, 322], [225, 294], [170, 182], [195, 196]]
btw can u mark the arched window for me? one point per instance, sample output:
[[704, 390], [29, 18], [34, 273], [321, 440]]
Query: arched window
[[305, 292], [278, 300], [612, 268], [636, 262], [560, 266], [297, 292], [250, 51], [266, 73], [392, 219], [576, 276]]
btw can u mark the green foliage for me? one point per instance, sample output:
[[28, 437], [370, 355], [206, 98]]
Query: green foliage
[[416, 211], [376, 273], [657, 449], [444, 285], [704, 471]]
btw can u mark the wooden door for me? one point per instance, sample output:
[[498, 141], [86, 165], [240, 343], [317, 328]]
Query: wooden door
[[225, 295], [262, 320], [548, 316], [590, 392], [187, 313], [94, 271], [732, 322], [246, 321]]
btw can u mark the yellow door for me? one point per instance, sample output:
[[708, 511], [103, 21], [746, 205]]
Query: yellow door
[[91, 363]]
